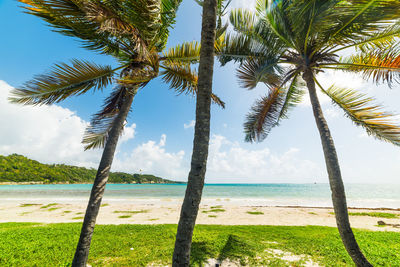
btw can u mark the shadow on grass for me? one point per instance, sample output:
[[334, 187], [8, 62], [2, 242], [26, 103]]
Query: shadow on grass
[[200, 253], [235, 248]]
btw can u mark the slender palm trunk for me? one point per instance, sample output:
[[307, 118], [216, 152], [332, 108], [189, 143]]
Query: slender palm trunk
[[335, 178], [92, 210], [190, 206]]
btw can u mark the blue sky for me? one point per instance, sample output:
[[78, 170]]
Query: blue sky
[[159, 134]]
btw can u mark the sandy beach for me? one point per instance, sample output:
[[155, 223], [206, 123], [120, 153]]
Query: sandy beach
[[166, 211]]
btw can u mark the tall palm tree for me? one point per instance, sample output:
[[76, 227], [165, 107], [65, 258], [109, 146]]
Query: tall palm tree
[[212, 41], [286, 40], [135, 34]]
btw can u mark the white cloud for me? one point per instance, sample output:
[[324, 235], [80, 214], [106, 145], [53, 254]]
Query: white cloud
[[191, 124], [128, 134], [332, 112], [50, 134], [230, 162], [152, 158]]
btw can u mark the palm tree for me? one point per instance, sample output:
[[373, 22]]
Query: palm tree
[[212, 40], [284, 41], [135, 34]]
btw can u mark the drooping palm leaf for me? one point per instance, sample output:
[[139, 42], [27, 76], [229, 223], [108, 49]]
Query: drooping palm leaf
[[96, 133], [264, 115], [183, 80], [294, 96], [63, 81], [364, 112], [253, 71]]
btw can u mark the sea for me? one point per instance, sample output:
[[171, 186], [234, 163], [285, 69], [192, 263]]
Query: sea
[[307, 195]]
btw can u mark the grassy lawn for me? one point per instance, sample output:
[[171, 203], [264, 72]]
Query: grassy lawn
[[28, 244]]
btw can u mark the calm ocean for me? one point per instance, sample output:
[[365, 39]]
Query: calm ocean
[[371, 196]]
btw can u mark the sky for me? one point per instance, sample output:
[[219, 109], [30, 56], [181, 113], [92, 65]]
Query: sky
[[159, 134]]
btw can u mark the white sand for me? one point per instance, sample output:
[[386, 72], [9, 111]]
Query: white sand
[[166, 211]]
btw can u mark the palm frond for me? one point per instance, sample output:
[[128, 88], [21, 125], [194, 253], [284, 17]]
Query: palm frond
[[264, 115], [183, 80], [69, 18], [294, 96], [354, 20], [253, 71], [96, 133], [169, 9], [63, 81], [381, 64], [365, 113], [188, 52]]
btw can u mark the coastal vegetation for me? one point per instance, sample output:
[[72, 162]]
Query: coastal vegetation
[[19, 169], [31, 244], [286, 44]]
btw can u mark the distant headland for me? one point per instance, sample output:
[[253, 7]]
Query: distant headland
[[18, 169]]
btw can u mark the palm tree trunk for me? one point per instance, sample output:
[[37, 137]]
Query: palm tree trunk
[[92, 210], [335, 177], [194, 189]]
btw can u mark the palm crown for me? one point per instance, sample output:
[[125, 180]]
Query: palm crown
[[133, 32], [284, 38]]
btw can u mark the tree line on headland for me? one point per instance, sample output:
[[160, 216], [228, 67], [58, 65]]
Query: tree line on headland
[[18, 169]]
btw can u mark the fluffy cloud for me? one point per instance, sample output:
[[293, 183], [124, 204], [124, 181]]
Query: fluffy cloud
[[46, 133], [189, 125], [230, 162], [152, 158]]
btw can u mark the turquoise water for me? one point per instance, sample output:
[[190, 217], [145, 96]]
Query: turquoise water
[[252, 194]]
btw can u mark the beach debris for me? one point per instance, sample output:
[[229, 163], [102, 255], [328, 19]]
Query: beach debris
[[395, 225]]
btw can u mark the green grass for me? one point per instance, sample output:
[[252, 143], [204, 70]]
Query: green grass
[[213, 210], [105, 205], [77, 218], [67, 211], [49, 205], [30, 244], [373, 214], [255, 212], [29, 205], [52, 209], [124, 216], [131, 211], [212, 216]]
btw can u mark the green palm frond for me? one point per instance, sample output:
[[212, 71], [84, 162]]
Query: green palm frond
[[253, 71], [180, 77], [69, 18], [294, 96], [355, 20], [96, 133], [188, 52], [168, 12], [183, 80], [264, 115], [381, 38], [365, 113], [63, 81], [381, 64]]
